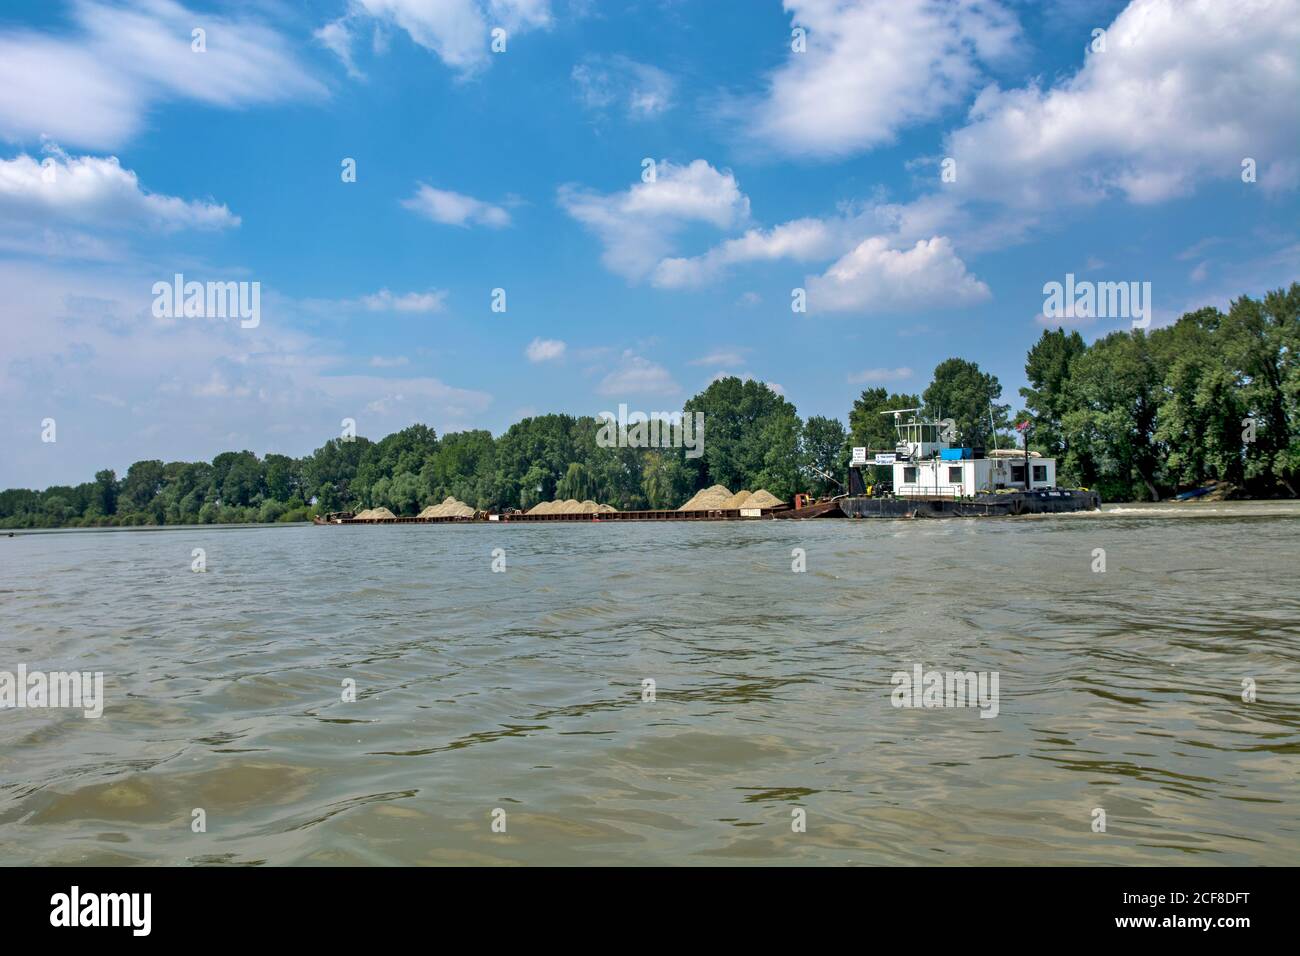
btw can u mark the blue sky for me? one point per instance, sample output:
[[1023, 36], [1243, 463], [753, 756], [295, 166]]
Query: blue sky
[[126, 157]]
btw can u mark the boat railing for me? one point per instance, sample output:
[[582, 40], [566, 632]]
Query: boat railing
[[933, 491]]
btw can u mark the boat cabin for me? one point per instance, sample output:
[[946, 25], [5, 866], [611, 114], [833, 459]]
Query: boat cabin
[[966, 477], [927, 464]]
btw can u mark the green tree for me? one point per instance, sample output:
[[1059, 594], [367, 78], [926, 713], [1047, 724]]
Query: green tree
[[282, 477], [243, 483], [403, 494], [142, 482], [106, 491], [577, 483], [1047, 368], [825, 451], [1200, 410], [871, 428], [1110, 428], [962, 392], [751, 437], [1261, 342]]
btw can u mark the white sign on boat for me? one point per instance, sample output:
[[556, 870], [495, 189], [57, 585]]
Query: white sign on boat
[[859, 456], [887, 459]]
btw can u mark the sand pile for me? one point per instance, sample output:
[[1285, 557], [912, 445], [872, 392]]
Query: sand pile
[[363, 515], [718, 498], [739, 498], [450, 508], [710, 499], [374, 514], [570, 507], [762, 499]]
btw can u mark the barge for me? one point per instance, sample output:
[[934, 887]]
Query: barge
[[932, 477], [510, 517]]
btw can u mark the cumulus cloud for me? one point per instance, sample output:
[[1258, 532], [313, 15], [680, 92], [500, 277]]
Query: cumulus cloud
[[802, 240], [874, 278], [95, 191], [455, 209], [636, 375], [544, 350], [637, 226], [638, 90], [457, 31], [1184, 90], [874, 67], [95, 87]]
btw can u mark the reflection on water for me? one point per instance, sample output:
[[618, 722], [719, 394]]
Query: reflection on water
[[523, 691]]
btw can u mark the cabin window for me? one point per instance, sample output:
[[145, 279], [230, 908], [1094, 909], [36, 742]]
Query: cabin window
[[1017, 473], [909, 476], [1040, 473], [954, 474]]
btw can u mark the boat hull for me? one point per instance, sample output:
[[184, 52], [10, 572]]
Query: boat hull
[[1016, 503]]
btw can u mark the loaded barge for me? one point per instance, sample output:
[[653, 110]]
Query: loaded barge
[[932, 477]]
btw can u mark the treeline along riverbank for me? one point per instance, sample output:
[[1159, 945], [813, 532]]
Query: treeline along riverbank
[[1135, 416]]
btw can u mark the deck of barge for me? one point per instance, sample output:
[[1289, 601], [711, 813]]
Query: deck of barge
[[915, 506], [715, 514]]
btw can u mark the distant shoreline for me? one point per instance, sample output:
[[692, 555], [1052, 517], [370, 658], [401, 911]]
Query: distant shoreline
[[1111, 508]]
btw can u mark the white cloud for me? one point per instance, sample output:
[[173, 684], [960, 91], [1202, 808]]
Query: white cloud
[[637, 89], [458, 31], [382, 361], [81, 346], [455, 209], [385, 301], [94, 191], [723, 357], [337, 36], [1184, 90], [95, 87], [638, 376], [875, 278], [874, 67], [878, 376], [544, 350], [637, 225], [802, 240]]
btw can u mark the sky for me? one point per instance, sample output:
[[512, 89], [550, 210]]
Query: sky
[[648, 184]]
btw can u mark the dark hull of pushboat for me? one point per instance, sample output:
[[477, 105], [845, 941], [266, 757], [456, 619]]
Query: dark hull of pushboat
[[980, 506]]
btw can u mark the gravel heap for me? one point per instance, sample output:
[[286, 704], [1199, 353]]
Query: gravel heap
[[719, 498], [450, 508]]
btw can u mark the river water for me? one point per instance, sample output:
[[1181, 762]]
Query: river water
[[517, 697]]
